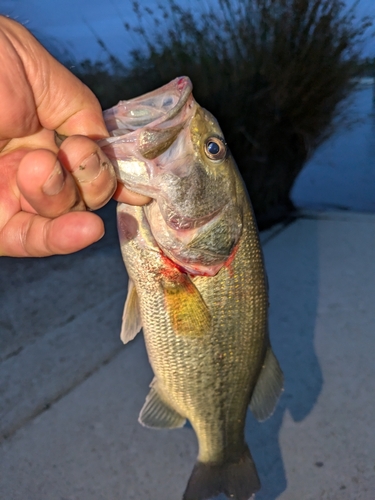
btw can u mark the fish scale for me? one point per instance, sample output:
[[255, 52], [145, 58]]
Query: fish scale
[[229, 345], [199, 290]]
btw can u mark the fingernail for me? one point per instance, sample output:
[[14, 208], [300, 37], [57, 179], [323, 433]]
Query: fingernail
[[91, 167], [55, 181], [59, 138], [101, 236]]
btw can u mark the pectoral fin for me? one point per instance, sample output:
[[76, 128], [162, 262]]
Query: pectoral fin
[[268, 388], [186, 308], [131, 318], [158, 414]]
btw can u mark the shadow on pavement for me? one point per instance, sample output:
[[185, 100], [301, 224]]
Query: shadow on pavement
[[292, 263], [38, 294]]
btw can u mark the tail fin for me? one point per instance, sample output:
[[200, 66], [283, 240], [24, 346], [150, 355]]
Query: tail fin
[[237, 479]]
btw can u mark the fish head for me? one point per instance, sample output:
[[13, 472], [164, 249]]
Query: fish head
[[144, 128], [164, 145]]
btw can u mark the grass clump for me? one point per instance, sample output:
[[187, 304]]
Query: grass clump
[[273, 72]]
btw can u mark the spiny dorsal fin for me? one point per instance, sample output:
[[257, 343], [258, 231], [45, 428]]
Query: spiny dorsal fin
[[186, 308], [131, 318], [158, 414], [268, 388]]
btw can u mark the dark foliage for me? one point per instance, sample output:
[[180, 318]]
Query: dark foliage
[[273, 72], [368, 67]]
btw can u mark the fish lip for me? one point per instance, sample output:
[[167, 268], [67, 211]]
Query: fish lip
[[184, 88], [126, 134], [182, 85]]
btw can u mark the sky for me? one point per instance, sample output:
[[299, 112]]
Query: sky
[[73, 25]]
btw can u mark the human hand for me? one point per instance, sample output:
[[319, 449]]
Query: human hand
[[45, 191]]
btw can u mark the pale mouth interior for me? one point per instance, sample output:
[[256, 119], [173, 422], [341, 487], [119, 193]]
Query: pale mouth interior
[[152, 109], [137, 113]]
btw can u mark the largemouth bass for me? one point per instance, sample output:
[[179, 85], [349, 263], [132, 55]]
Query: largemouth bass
[[197, 283]]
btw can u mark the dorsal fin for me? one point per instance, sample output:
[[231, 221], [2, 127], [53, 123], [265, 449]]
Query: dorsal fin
[[131, 318], [268, 388]]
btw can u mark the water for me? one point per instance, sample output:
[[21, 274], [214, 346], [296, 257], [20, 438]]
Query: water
[[341, 173]]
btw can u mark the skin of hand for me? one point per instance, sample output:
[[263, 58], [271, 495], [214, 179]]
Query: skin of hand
[[47, 193]]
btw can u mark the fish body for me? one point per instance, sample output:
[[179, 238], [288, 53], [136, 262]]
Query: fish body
[[197, 283]]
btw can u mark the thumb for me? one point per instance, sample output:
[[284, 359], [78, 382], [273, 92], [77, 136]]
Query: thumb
[[62, 102]]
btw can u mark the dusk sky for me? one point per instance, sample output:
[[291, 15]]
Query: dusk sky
[[73, 25]]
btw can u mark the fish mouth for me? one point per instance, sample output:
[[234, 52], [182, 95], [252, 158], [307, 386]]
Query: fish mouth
[[149, 110], [141, 129]]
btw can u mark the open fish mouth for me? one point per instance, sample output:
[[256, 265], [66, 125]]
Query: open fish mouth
[[144, 128], [149, 110]]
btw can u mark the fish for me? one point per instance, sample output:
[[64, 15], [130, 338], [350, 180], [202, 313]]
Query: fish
[[197, 283]]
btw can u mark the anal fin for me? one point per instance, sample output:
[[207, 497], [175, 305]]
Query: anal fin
[[268, 388], [131, 318], [157, 414]]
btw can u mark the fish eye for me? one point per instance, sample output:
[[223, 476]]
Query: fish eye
[[215, 148]]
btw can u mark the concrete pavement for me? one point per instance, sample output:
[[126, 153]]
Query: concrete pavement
[[70, 393]]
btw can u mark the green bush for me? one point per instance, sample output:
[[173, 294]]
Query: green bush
[[273, 72]]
